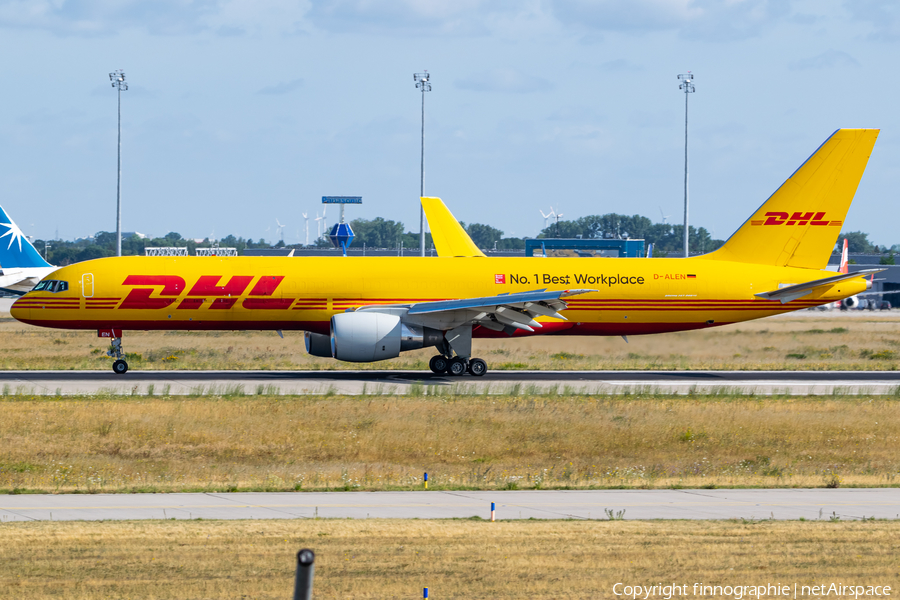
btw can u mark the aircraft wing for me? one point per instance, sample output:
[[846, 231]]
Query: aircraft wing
[[879, 293], [21, 281], [792, 292], [504, 312]]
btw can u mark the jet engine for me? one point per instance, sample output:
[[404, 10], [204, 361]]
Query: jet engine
[[317, 344], [851, 303], [365, 336]]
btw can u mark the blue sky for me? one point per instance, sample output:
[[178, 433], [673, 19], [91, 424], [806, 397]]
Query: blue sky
[[243, 111]]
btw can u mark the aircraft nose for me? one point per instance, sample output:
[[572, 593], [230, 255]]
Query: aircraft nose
[[18, 310]]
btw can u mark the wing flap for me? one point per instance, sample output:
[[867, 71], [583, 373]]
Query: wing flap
[[504, 312], [517, 300]]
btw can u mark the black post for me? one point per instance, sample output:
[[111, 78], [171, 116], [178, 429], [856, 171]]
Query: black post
[[304, 579]]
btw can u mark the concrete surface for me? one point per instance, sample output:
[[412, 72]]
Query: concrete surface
[[846, 504], [425, 382]]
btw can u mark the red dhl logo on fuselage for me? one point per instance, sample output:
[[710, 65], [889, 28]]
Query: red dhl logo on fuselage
[[207, 286], [797, 218]]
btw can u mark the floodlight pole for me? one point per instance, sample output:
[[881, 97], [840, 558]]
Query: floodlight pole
[[688, 87], [423, 84], [118, 81]]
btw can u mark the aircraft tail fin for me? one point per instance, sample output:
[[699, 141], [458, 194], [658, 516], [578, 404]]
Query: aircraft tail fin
[[450, 239], [844, 268], [15, 249], [799, 224]]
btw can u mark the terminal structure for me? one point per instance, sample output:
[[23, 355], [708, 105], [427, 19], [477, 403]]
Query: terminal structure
[[584, 247]]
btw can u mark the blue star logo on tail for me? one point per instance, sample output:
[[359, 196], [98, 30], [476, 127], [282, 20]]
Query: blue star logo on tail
[[14, 233]]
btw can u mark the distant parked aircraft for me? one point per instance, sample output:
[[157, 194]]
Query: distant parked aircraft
[[21, 267]]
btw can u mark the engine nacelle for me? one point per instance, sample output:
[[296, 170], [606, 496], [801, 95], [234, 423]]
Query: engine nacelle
[[365, 336], [317, 344], [850, 303]]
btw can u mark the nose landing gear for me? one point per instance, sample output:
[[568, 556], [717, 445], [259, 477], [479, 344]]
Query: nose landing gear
[[119, 366]]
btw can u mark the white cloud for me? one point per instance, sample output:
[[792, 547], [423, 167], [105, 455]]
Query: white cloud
[[718, 20], [283, 87], [709, 20], [503, 80], [163, 17], [429, 18], [619, 65], [827, 60], [884, 15]]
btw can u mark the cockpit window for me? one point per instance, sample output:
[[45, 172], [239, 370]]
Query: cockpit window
[[51, 285]]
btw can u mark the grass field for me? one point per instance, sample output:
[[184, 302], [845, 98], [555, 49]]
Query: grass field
[[808, 340], [464, 442], [454, 559]]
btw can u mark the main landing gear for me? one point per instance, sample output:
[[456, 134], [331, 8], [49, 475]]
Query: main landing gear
[[457, 341], [119, 366], [457, 366]]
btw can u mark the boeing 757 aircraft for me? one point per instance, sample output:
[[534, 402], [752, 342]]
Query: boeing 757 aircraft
[[373, 308]]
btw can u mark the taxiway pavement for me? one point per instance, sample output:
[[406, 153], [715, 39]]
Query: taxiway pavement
[[758, 504], [419, 382]]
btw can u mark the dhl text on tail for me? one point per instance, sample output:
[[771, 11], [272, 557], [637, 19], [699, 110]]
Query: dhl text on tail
[[373, 308]]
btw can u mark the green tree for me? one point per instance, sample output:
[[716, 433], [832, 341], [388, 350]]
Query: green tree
[[377, 233], [484, 236], [664, 237], [511, 244], [857, 242]]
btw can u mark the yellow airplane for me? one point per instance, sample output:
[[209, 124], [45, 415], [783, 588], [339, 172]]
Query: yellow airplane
[[373, 308]]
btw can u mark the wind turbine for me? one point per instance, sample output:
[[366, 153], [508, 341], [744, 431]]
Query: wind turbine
[[279, 231], [548, 216], [665, 218], [318, 225], [306, 218]]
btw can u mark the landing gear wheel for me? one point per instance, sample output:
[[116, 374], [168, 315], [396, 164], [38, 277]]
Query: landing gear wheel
[[457, 367], [120, 367], [438, 364], [477, 367]]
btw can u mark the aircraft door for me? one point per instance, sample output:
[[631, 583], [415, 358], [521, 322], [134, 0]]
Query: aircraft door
[[87, 285]]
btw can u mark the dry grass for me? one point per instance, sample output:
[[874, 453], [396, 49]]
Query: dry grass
[[808, 340], [454, 559], [379, 443]]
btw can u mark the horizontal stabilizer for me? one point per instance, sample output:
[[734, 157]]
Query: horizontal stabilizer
[[792, 292]]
